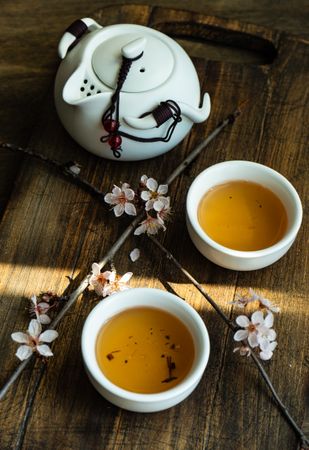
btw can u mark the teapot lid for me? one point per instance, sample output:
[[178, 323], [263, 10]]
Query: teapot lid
[[148, 72]]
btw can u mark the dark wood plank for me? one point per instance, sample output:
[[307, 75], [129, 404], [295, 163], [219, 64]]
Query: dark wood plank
[[59, 230]]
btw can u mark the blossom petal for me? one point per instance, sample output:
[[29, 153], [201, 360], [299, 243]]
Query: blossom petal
[[161, 221], [269, 320], [267, 349], [107, 274], [43, 306], [149, 204], [95, 269], [140, 230], [21, 338], [48, 336], [265, 302], [130, 209], [109, 198], [273, 345], [126, 277], [145, 195], [162, 189], [266, 355], [135, 254], [119, 209], [242, 321], [257, 318], [34, 328], [75, 169], [107, 290], [152, 184], [129, 193], [253, 340], [24, 352], [123, 287], [116, 191], [144, 179], [112, 276], [153, 230], [44, 350], [244, 350], [254, 295], [44, 319], [271, 335], [265, 345], [158, 205], [163, 205], [240, 335], [34, 299]]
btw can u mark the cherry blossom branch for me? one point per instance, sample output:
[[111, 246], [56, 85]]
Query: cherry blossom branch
[[66, 169], [304, 440]]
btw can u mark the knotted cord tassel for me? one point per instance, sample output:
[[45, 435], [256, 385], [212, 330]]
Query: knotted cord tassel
[[111, 125]]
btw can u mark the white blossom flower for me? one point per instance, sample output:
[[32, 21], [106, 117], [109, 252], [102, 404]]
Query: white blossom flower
[[264, 302], [267, 349], [244, 350], [116, 283], [98, 279], [34, 340], [135, 254], [154, 193], [40, 309], [122, 199], [150, 225], [256, 330], [108, 282]]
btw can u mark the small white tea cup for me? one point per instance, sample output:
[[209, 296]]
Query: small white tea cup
[[256, 173], [144, 297]]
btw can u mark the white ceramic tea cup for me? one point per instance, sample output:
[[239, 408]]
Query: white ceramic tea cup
[[144, 297], [256, 173]]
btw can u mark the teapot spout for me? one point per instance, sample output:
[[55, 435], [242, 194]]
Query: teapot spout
[[197, 115], [71, 93]]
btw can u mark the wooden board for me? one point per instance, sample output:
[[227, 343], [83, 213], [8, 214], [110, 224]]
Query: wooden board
[[52, 229]]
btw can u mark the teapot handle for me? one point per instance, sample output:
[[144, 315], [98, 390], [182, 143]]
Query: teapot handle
[[74, 32]]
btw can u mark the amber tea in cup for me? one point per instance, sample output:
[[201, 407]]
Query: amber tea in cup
[[145, 350], [242, 215]]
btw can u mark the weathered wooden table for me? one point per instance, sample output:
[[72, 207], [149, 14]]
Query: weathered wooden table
[[52, 229]]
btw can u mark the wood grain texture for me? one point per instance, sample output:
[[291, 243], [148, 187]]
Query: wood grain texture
[[51, 229], [30, 31]]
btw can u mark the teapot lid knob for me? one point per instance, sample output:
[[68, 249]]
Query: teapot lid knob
[[134, 49]]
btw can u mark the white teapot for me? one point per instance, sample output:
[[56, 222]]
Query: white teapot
[[126, 91]]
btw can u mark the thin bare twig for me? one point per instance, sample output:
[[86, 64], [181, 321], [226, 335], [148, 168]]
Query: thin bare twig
[[304, 440], [122, 238]]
